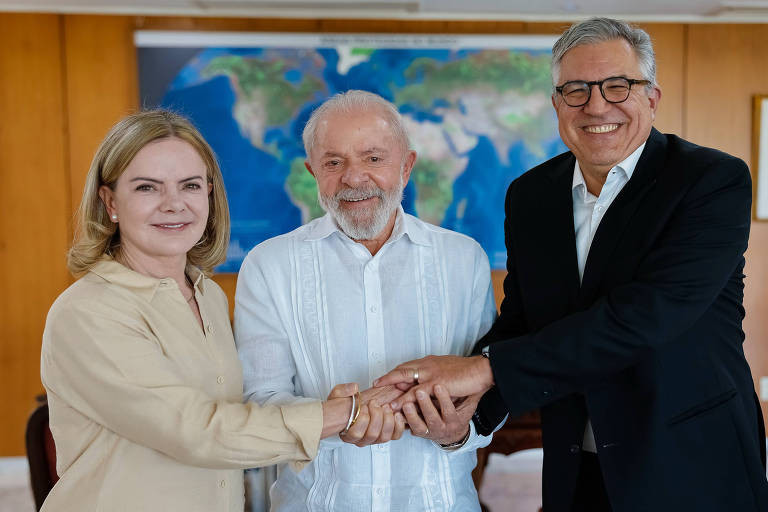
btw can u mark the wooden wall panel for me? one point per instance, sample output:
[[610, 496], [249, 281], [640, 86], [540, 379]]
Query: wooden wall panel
[[101, 85], [669, 42], [726, 66], [34, 206]]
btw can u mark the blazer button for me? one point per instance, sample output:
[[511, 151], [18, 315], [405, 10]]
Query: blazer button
[[575, 448]]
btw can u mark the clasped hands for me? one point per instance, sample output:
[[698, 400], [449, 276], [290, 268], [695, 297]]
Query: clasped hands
[[442, 420]]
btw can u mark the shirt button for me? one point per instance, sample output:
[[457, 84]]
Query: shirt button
[[220, 379], [373, 309], [223, 484], [599, 208], [211, 329], [379, 492]]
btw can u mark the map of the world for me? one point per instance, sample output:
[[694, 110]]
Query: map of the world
[[477, 110]]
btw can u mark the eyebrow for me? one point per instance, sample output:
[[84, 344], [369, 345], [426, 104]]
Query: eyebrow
[[153, 180], [364, 152], [374, 150]]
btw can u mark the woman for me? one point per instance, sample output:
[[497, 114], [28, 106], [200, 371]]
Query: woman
[[143, 381]]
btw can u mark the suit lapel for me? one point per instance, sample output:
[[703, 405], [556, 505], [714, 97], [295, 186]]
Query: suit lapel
[[558, 239], [621, 211]]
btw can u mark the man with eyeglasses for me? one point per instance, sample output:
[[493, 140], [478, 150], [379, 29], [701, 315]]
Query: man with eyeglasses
[[622, 312]]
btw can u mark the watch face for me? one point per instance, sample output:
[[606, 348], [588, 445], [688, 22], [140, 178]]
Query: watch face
[[485, 350]]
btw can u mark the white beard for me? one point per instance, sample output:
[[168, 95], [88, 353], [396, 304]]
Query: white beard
[[364, 224]]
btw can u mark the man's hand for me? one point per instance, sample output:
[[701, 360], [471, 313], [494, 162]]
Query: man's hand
[[449, 425], [460, 376]]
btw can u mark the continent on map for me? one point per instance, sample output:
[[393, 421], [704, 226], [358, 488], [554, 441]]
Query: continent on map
[[265, 97], [302, 188], [500, 94], [440, 159]]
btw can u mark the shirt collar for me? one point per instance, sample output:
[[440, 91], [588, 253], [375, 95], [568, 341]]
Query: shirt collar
[[144, 286], [627, 166], [404, 225]]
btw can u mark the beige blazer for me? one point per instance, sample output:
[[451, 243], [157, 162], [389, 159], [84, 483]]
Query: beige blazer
[[146, 408]]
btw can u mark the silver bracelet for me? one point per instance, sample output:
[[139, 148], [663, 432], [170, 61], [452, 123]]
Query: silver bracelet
[[351, 414]]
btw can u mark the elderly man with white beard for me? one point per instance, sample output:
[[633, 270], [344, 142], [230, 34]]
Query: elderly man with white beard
[[352, 294]]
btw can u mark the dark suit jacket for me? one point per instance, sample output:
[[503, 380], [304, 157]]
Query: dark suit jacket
[[649, 346]]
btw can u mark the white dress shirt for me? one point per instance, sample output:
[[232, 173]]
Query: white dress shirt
[[588, 211], [314, 309]]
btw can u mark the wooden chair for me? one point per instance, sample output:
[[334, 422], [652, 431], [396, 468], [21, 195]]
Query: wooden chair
[[522, 433], [41, 453]]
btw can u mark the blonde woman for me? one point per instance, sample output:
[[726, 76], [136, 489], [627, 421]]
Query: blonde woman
[[143, 380]]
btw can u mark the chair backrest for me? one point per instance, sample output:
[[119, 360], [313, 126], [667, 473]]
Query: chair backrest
[[41, 454]]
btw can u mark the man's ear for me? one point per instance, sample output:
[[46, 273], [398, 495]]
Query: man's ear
[[410, 161], [654, 96], [309, 168]]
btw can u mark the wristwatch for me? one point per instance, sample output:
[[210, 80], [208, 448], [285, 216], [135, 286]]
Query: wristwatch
[[485, 352]]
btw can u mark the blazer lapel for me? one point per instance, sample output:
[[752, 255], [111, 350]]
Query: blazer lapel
[[619, 214], [557, 239]]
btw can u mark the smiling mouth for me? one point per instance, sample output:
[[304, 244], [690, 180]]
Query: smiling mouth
[[180, 225], [601, 128]]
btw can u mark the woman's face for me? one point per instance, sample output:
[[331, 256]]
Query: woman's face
[[161, 202]]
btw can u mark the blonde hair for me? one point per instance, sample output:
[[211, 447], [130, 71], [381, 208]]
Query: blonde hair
[[96, 234]]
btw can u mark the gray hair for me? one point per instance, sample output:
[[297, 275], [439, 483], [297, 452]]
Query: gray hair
[[351, 101], [600, 30]]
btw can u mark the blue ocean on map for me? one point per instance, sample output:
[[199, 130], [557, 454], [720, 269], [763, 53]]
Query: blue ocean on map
[[478, 119]]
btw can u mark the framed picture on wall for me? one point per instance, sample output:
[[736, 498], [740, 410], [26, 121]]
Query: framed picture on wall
[[760, 156]]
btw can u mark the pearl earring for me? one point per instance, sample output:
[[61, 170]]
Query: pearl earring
[[114, 217]]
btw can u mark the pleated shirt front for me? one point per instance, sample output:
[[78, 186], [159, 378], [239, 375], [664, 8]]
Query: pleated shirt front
[[315, 309]]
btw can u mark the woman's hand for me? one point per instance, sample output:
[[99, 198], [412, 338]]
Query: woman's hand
[[375, 424], [380, 396]]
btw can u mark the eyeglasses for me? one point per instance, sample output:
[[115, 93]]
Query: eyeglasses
[[614, 89]]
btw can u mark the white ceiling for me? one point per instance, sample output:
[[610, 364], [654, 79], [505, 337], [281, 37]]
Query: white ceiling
[[712, 11]]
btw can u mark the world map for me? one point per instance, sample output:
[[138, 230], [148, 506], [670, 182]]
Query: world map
[[478, 116]]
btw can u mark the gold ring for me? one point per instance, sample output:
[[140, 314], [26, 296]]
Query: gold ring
[[427, 432], [416, 375]]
